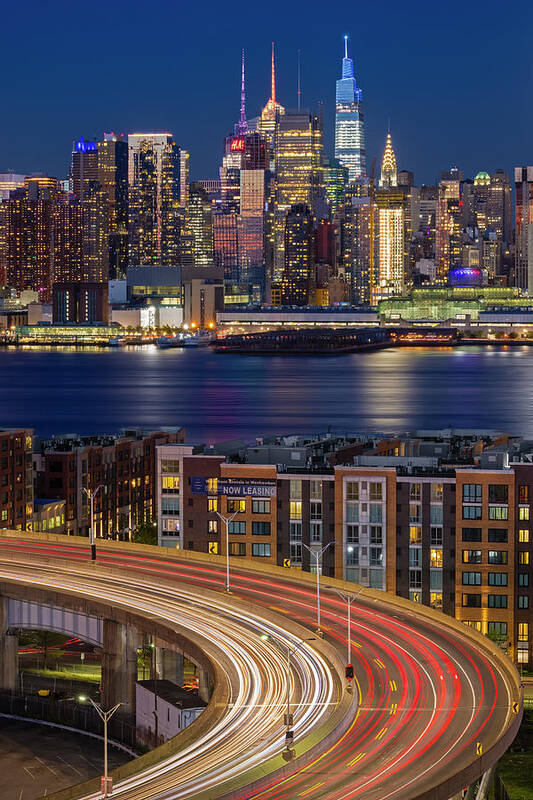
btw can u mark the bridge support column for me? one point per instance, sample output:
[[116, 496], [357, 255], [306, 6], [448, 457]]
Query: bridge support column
[[119, 666], [8, 651], [204, 686], [170, 665]]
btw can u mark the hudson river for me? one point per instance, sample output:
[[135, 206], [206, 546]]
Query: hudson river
[[228, 396]]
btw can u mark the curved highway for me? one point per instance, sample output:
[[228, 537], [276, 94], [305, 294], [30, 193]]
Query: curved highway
[[431, 701]]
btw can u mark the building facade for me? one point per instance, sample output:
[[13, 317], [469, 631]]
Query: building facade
[[350, 147]]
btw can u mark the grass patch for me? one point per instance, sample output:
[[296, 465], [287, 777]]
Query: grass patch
[[88, 675], [516, 767]]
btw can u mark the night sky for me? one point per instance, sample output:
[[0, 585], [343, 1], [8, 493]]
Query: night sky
[[454, 78]]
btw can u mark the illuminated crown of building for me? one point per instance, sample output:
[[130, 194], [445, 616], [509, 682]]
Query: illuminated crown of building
[[269, 111], [389, 172]]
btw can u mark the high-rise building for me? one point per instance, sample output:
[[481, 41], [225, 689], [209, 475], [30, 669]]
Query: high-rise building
[[335, 182], [154, 198], [113, 180], [266, 124], [298, 283], [9, 181], [349, 122], [523, 278], [200, 224], [359, 224], [84, 169], [84, 303], [391, 244], [449, 224]]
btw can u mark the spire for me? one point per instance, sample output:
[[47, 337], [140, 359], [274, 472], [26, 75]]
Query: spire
[[389, 176], [299, 96], [242, 125], [347, 63], [345, 46], [273, 79]]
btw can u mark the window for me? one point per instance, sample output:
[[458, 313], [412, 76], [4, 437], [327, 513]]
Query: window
[[523, 601], [523, 512], [497, 629], [415, 534], [212, 526], [232, 505], [435, 515], [499, 512], [473, 623], [316, 510], [523, 494], [471, 512], [261, 528], [352, 512], [523, 579], [471, 556], [497, 556], [169, 483], [472, 493], [352, 556], [497, 579], [295, 490], [523, 558], [498, 493], [237, 527], [352, 491], [261, 506], [471, 534], [296, 509], [169, 465], [212, 504], [523, 535], [376, 556], [436, 536], [295, 553], [376, 512], [435, 599], [261, 549], [415, 578], [435, 579], [436, 492], [415, 491], [523, 630], [471, 578], [376, 534], [415, 513], [316, 532], [376, 491], [237, 548], [471, 601], [498, 535], [212, 486], [315, 490], [170, 505], [497, 601], [435, 557], [296, 531], [415, 557], [352, 534]]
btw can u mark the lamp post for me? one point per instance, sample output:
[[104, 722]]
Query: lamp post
[[105, 716], [348, 599], [226, 521], [91, 495], [317, 555]]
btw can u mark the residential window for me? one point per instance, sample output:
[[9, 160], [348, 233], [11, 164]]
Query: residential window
[[498, 535], [376, 512], [261, 528], [498, 493], [212, 486], [415, 557], [261, 549], [295, 490], [497, 629], [212, 526], [415, 534], [435, 515], [523, 579], [170, 505], [315, 490], [473, 623], [471, 493], [471, 601], [415, 513], [415, 491], [296, 509], [497, 557], [169, 465], [436, 492], [352, 534], [435, 599], [497, 579], [237, 548], [376, 534], [497, 601], [261, 506], [435, 557], [523, 558], [233, 505], [296, 531], [471, 534], [376, 491], [523, 601], [376, 556], [435, 579], [237, 527], [352, 556], [471, 556], [415, 578], [471, 512], [352, 491], [523, 494], [352, 512], [523, 512], [523, 536], [169, 483], [523, 631], [436, 536], [471, 578], [212, 504], [316, 510], [316, 532], [295, 553], [499, 512]]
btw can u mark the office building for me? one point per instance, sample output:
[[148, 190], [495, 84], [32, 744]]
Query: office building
[[390, 276], [113, 179], [359, 229], [335, 183], [523, 276], [84, 166], [199, 224], [80, 303], [9, 181], [449, 224], [298, 283], [349, 121], [266, 124]]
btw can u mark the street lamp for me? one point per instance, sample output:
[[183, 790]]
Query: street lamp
[[91, 495], [317, 555], [105, 716], [289, 735], [226, 521]]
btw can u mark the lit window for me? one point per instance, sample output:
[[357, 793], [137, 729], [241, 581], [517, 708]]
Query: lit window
[[523, 558], [523, 631], [523, 512], [415, 491], [352, 491], [169, 483], [523, 536], [415, 534], [436, 492], [501, 512], [233, 505], [296, 509], [376, 491], [212, 485], [435, 557], [212, 503]]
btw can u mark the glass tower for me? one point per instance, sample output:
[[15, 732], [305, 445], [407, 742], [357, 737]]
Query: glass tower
[[349, 122]]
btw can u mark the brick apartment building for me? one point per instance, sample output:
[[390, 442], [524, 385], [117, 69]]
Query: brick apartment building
[[16, 479]]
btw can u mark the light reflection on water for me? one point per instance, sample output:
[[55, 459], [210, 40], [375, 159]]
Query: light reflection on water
[[225, 396]]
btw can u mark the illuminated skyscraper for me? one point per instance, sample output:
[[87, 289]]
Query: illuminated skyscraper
[[266, 124], [113, 179], [523, 177], [335, 182], [298, 283], [391, 211], [84, 169], [449, 225], [349, 122], [200, 224], [358, 240]]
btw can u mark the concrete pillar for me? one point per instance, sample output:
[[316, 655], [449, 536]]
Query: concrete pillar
[[204, 686], [8, 651], [170, 666], [119, 666]]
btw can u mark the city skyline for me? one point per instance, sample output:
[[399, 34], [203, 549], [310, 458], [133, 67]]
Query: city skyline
[[43, 118]]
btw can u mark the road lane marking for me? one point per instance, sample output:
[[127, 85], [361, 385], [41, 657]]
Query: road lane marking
[[311, 789], [393, 686], [382, 733], [354, 761], [393, 709]]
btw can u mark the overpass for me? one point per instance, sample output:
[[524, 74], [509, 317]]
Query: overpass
[[435, 705]]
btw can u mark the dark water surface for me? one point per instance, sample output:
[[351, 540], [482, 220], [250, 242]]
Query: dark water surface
[[226, 396]]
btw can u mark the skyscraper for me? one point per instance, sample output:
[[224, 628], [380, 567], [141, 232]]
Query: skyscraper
[[266, 124], [84, 169], [391, 210], [523, 177], [113, 179], [349, 121], [449, 224], [200, 225], [298, 281]]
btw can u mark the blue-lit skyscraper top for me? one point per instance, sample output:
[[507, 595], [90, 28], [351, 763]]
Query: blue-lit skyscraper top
[[349, 121]]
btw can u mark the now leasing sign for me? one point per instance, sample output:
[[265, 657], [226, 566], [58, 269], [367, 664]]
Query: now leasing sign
[[246, 488]]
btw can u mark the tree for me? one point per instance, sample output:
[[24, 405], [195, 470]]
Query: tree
[[145, 533]]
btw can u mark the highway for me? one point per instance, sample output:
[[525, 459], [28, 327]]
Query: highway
[[429, 700]]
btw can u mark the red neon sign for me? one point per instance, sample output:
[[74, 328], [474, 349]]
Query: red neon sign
[[237, 144]]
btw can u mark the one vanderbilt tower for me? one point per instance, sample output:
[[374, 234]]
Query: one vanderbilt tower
[[349, 121]]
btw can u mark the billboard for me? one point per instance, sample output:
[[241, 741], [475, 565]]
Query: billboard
[[233, 487]]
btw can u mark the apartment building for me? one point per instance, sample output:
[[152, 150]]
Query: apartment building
[[16, 479]]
